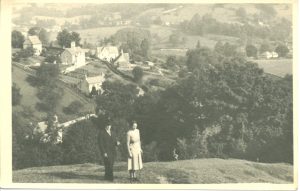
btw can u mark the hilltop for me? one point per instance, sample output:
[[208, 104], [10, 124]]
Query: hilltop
[[200, 171]]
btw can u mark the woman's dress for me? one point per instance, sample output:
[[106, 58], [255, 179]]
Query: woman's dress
[[135, 162]]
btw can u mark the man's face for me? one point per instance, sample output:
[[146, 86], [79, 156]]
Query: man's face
[[108, 127]]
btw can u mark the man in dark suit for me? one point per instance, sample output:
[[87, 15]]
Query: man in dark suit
[[107, 144]]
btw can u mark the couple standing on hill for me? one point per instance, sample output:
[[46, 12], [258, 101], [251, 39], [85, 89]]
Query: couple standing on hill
[[108, 143]]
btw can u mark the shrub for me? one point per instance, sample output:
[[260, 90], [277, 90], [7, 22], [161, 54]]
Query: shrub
[[74, 107]]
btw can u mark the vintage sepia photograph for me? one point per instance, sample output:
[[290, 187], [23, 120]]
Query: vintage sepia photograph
[[152, 93]]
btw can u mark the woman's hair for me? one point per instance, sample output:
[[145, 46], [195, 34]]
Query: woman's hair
[[133, 121]]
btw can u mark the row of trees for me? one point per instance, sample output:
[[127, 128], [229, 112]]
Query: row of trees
[[279, 30]]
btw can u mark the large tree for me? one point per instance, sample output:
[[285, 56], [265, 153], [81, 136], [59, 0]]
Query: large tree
[[17, 39], [64, 38], [282, 50]]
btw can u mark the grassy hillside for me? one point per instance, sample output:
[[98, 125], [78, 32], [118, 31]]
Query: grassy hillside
[[29, 97], [200, 171], [279, 67]]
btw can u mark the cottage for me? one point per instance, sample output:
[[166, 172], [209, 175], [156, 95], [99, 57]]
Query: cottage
[[73, 56], [90, 83], [108, 53], [35, 43], [122, 61]]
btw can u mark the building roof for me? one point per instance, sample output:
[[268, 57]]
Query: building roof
[[95, 79], [33, 40], [109, 49], [123, 57]]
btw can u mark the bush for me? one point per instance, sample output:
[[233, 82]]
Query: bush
[[150, 152], [80, 144], [16, 95], [137, 73], [74, 108]]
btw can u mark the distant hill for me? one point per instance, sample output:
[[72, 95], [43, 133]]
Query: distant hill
[[200, 171]]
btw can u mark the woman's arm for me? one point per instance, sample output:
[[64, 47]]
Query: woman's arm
[[128, 145], [140, 142]]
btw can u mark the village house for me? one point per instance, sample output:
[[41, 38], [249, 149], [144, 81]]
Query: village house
[[108, 53], [122, 61], [35, 43], [268, 55], [88, 83], [73, 56]]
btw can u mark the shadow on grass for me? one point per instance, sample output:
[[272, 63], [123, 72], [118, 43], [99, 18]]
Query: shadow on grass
[[71, 175], [282, 174]]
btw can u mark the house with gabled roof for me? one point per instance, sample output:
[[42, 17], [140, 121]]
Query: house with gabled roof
[[107, 53], [90, 83], [122, 61], [35, 43], [74, 56]]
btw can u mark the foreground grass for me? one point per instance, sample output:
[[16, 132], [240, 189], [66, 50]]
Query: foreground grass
[[201, 171]]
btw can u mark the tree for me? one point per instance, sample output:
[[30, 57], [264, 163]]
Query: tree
[[64, 38], [52, 58], [43, 36], [137, 73], [145, 48], [80, 144], [25, 53], [47, 74], [74, 107], [265, 46], [17, 39], [251, 50], [16, 95], [171, 62], [282, 50], [41, 33], [34, 31]]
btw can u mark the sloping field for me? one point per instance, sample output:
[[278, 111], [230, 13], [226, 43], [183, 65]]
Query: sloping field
[[29, 97], [279, 67], [200, 171]]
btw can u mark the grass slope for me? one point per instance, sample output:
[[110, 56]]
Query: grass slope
[[29, 98], [200, 171], [279, 67]]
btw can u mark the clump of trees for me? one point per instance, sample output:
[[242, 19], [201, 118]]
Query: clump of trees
[[64, 38], [17, 39]]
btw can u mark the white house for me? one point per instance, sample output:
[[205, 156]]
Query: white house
[[35, 43], [268, 55], [73, 56], [89, 83], [108, 53]]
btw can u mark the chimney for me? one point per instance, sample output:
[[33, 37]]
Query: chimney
[[121, 51], [72, 44]]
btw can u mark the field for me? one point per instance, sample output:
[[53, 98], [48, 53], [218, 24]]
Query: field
[[93, 35], [29, 97], [279, 67], [200, 171]]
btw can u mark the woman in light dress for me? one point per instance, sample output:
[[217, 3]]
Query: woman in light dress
[[134, 151]]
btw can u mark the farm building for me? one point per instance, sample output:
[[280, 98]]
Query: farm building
[[35, 43], [88, 83], [268, 55], [73, 56], [108, 53]]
